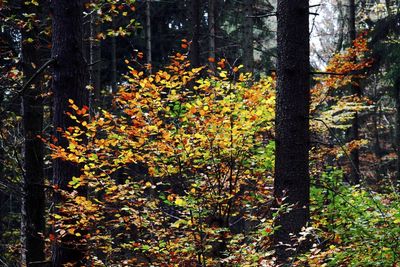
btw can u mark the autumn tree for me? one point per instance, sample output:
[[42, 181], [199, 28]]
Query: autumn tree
[[292, 181], [69, 76]]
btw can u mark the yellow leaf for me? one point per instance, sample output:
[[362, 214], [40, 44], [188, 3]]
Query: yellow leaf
[[180, 202]]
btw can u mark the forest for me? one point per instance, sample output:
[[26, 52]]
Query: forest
[[195, 133]]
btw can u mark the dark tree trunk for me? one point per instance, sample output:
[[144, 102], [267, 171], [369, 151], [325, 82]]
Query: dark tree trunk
[[68, 83], [148, 34], [95, 56], [355, 90], [33, 198], [342, 22], [248, 37], [292, 181], [113, 61], [211, 32], [397, 133], [3, 195], [195, 23]]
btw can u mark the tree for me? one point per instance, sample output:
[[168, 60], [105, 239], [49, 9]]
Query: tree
[[292, 181], [68, 83], [211, 32], [33, 197], [248, 38], [356, 90], [195, 34], [148, 33], [95, 56]]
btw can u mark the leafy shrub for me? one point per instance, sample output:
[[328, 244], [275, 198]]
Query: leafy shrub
[[179, 173]]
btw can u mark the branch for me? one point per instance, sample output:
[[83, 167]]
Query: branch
[[27, 84], [325, 73], [263, 15], [329, 73], [33, 77]]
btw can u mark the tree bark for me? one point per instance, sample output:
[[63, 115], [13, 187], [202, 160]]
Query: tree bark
[[211, 32], [95, 56], [248, 37], [113, 61], [396, 181], [69, 75], [292, 181], [355, 90], [195, 24], [33, 198], [148, 34], [3, 195]]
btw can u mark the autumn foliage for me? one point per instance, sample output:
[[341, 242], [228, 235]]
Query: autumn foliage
[[178, 173]]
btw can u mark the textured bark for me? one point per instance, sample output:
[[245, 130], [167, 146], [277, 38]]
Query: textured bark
[[397, 133], [95, 56], [355, 90], [33, 198], [68, 83], [148, 33], [3, 195], [248, 37], [342, 22], [211, 32], [113, 62], [292, 181], [377, 143], [195, 24]]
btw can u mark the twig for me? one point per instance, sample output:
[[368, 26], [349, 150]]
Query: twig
[[263, 15], [33, 77], [27, 84]]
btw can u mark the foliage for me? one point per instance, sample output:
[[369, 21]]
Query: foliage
[[354, 226], [343, 69], [178, 173]]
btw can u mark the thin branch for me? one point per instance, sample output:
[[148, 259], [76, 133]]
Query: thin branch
[[27, 84], [263, 15], [324, 73], [33, 77]]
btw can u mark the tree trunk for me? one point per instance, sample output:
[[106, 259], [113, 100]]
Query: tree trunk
[[248, 38], [95, 56], [355, 90], [148, 34], [342, 22], [388, 9], [69, 75], [211, 32], [113, 61], [3, 195], [396, 181], [195, 23], [33, 199], [292, 181]]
